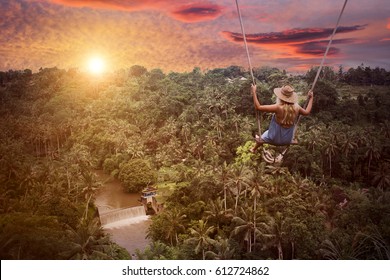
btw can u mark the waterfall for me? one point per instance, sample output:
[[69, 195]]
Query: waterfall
[[122, 215]]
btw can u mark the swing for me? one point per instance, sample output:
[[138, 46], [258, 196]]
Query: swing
[[267, 156]]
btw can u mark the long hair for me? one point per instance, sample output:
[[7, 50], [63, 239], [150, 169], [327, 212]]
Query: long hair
[[289, 114]]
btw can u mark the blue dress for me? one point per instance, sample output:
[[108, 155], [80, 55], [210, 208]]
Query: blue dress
[[277, 134]]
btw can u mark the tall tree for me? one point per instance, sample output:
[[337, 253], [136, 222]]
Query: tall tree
[[200, 233]]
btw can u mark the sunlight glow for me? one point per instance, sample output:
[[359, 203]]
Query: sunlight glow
[[96, 65]]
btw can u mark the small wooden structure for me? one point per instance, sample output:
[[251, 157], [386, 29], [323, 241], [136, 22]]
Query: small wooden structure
[[148, 199]]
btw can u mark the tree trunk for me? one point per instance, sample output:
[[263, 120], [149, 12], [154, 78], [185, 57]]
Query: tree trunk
[[224, 196], [68, 179], [58, 144], [87, 207], [238, 194], [250, 242], [368, 167], [254, 222], [280, 251], [292, 249]]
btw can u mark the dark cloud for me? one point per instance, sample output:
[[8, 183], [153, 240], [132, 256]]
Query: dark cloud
[[195, 13], [290, 36], [318, 48], [300, 41]]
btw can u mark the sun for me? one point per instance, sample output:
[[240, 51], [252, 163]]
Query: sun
[[96, 65]]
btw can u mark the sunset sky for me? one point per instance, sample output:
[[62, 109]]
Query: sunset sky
[[178, 35]]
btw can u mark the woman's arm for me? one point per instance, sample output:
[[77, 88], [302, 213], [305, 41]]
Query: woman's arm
[[307, 111], [258, 106]]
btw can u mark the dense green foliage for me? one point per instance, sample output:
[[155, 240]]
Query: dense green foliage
[[329, 199], [136, 174]]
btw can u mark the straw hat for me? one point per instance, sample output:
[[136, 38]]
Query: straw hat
[[287, 94]]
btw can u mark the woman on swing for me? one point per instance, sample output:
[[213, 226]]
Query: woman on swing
[[286, 110]]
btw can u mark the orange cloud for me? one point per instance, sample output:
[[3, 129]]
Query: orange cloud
[[193, 12], [111, 4], [388, 23]]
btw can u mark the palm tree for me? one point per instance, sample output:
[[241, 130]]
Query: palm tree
[[246, 124], [381, 177], [5, 201], [333, 251], [196, 149], [215, 212], [222, 177], [12, 162], [257, 190], [90, 185], [348, 144], [217, 124], [330, 150], [239, 178], [223, 250], [313, 139], [174, 219], [385, 128], [186, 131], [88, 242], [155, 251], [201, 236], [236, 119], [244, 226], [372, 153], [278, 232]]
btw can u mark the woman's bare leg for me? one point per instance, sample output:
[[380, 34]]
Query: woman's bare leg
[[258, 142]]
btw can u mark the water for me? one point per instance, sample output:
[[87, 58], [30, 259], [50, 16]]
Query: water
[[112, 196], [130, 233], [117, 215], [122, 214]]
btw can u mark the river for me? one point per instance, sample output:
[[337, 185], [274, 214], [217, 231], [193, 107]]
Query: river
[[122, 215]]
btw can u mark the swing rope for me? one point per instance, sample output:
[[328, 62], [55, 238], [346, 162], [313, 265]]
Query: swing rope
[[322, 64], [258, 116], [245, 42]]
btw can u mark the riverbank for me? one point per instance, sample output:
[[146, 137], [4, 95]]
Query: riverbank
[[129, 231]]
